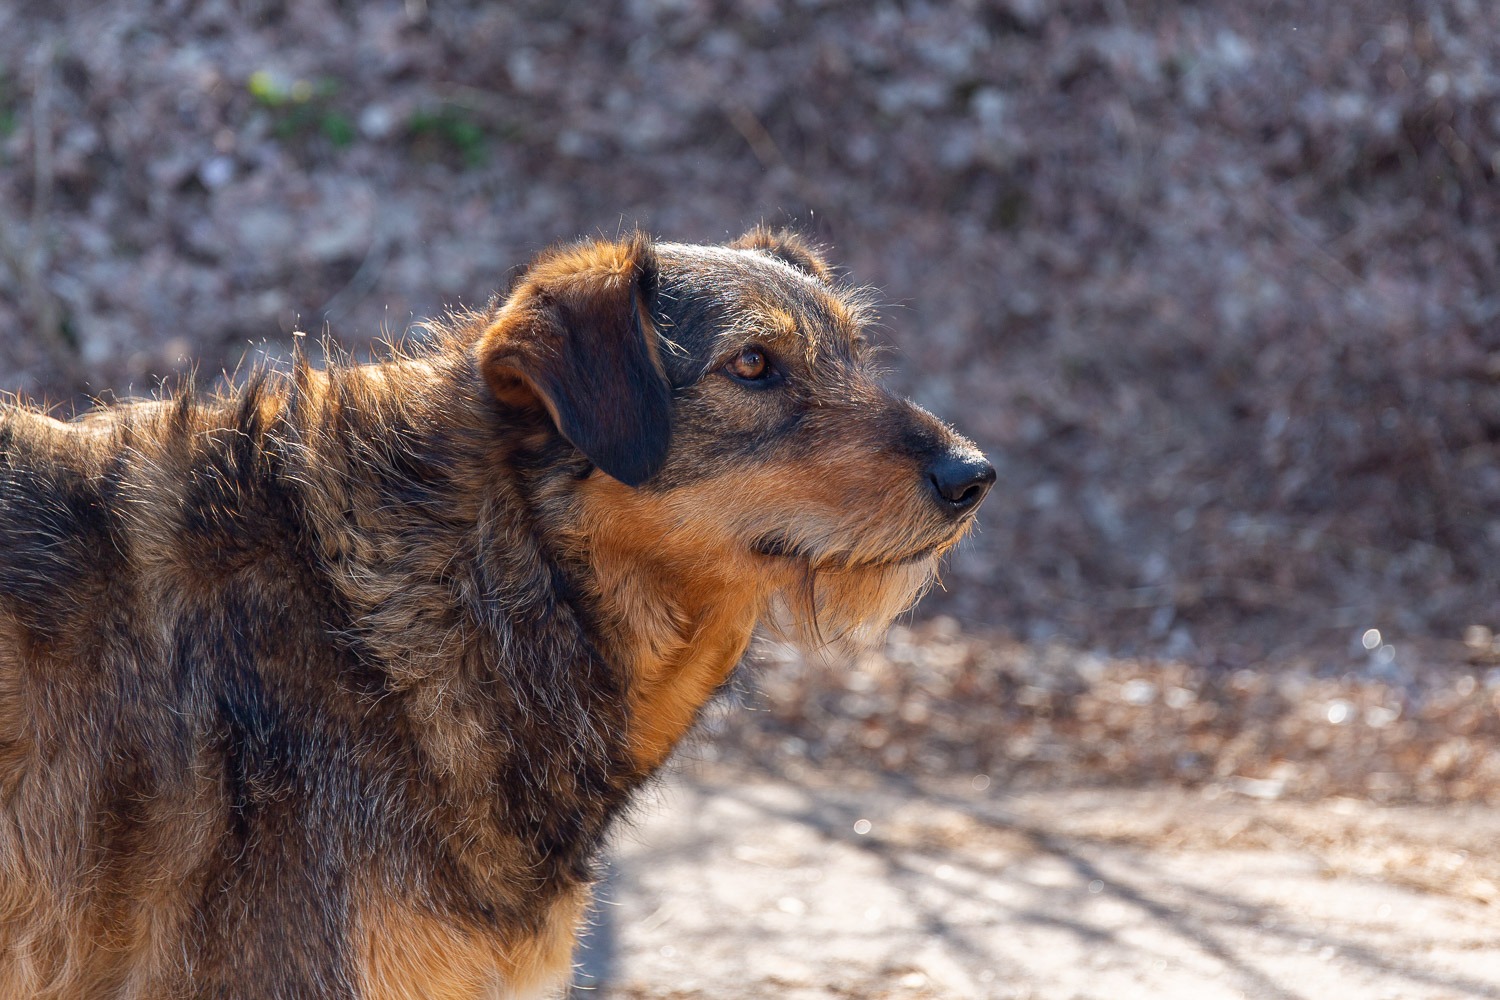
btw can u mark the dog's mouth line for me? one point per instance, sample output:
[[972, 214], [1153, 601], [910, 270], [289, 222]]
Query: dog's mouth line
[[780, 547]]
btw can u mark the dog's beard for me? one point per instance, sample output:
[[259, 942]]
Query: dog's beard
[[849, 607]]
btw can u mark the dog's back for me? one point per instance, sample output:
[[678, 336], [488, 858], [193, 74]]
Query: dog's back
[[145, 737], [217, 619], [105, 795]]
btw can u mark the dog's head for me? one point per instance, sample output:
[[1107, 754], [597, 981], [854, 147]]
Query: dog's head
[[728, 399]]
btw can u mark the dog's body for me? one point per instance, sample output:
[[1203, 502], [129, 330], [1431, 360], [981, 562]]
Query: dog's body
[[329, 686]]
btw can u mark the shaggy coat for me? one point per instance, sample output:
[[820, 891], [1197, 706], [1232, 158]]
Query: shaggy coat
[[330, 684]]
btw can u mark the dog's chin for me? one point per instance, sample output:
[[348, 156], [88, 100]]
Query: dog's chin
[[851, 606]]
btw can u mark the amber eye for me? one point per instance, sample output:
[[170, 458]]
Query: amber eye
[[750, 365]]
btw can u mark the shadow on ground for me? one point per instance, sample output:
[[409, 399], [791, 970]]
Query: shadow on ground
[[733, 885]]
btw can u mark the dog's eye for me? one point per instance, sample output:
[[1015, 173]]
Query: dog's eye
[[750, 365]]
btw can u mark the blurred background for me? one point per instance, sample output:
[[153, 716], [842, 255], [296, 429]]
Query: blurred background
[[1215, 284]]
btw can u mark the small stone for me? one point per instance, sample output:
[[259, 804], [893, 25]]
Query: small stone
[[376, 121], [216, 171]]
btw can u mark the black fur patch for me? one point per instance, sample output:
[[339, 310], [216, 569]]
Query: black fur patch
[[61, 543]]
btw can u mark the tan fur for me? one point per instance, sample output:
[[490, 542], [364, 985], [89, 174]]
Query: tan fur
[[411, 955], [683, 605]]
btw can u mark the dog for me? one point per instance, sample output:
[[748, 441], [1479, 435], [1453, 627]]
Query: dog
[[330, 683]]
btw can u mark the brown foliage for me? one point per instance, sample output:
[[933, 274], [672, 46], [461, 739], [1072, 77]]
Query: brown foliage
[[1215, 282]]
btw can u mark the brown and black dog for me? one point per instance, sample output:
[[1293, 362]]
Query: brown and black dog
[[330, 685]]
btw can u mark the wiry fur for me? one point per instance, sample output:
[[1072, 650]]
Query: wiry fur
[[330, 684]]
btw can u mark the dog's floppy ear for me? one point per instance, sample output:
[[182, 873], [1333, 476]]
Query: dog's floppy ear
[[576, 336], [788, 247]]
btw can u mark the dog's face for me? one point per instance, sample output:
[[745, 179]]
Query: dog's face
[[728, 397]]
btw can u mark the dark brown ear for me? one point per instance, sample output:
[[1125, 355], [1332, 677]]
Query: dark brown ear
[[576, 336], [788, 247]]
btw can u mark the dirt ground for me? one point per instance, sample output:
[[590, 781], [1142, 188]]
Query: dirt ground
[[731, 885], [956, 815]]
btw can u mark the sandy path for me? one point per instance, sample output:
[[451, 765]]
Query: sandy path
[[738, 886]]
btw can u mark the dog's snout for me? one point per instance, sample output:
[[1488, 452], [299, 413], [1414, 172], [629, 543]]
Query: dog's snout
[[960, 480]]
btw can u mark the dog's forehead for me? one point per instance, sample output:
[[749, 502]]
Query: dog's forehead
[[718, 294], [730, 264], [736, 278]]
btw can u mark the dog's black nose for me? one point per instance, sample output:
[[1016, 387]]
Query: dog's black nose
[[960, 480]]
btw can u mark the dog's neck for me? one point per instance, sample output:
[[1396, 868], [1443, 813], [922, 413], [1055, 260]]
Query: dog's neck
[[681, 617], [674, 616]]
